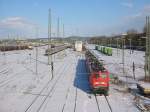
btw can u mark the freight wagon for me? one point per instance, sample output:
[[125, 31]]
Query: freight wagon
[[104, 50], [54, 50], [14, 47]]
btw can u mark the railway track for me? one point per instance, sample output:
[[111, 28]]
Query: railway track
[[12, 78], [48, 94], [67, 93], [42, 62], [51, 90], [75, 104], [140, 101], [66, 97], [97, 103], [103, 104], [55, 50], [5, 71], [67, 90], [75, 94], [108, 104], [81, 72], [4, 82]]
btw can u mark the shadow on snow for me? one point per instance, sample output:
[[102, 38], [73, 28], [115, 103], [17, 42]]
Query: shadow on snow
[[81, 80]]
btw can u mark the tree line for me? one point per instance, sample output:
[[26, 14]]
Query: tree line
[[132, 37]]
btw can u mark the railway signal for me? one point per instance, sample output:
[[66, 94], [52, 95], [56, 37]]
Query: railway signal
[[30, 57], [52, 68], [133, 70]]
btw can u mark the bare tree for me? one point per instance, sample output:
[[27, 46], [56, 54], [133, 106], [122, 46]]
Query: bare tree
[[132, 32]]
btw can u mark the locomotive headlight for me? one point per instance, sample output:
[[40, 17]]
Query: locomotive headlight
[[97, 82], [102, 82]]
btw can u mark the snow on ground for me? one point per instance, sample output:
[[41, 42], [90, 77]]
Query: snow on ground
[[114, 63], [145, 85], [22, 90]]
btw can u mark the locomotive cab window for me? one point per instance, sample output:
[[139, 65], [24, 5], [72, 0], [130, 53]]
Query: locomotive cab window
[[96, 75], [103, 75]]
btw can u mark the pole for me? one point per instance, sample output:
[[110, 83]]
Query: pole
[[117, 46], [18, 47], [4, 54], [130, 45], [50, 61], [133, 70], [148, 36], [36, 66], [123, 55], [147, 53], [63, 31], [49, 35], [123, 60], [30, 57], [110, 42], [58, 28]]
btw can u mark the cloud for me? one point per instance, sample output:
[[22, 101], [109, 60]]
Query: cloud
[[133, 16], [146, 9], [127, 4], [137, 20], [16, 25]]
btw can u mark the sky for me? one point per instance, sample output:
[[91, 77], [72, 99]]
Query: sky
[[23, 18]]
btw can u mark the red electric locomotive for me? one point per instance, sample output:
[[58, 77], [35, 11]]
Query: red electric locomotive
[[99, 76]]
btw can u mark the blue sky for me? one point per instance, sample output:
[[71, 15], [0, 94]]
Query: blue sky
[[80, 17]]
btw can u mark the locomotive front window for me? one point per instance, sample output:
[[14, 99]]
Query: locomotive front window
[[103, 75], [97, 76]]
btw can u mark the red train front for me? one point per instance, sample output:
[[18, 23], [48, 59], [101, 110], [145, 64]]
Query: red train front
[[99, 76]]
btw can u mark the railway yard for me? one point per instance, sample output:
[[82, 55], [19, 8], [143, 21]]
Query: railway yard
[[23, 89], [75, 56]]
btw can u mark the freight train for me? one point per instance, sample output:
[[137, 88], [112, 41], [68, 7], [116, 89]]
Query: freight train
[[15, 47], [98, 75], [56, 49], [104, 50]]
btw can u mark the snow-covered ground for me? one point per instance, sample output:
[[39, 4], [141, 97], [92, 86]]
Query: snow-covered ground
[[114, 63], [22, 90]]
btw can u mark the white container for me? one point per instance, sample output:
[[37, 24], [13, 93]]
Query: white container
[[78, 46]]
